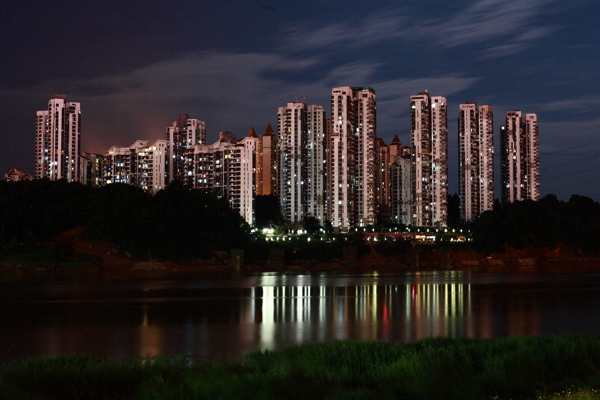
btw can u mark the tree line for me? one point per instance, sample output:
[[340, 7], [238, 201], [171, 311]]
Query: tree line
[[180, 223], [177, 223], [544, 223]]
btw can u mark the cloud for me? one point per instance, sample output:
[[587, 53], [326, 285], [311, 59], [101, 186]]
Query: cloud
[[578, 105], [489, 19], [382, 25], [504, 26], [229, 91]]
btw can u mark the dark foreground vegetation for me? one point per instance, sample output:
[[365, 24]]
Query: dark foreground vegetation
[[506, 368], [544, 223], [181, 224], [177, 223]]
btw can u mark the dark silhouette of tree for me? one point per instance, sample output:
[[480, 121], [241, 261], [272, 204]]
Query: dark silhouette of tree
[[545, 223], [267, 212], [41, 209], [311, 225], [121, 218], [189, 223], [454, 210]]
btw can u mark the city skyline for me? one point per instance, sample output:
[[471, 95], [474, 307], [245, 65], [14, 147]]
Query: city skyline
[[134, 68], [332, 168]]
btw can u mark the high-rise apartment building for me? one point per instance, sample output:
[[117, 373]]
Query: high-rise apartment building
[[141, 164], [519, 158], [151, 166], [91, 169], [302, 129], [316, 131], [266, 163], [476, 160], [182, 134], [400, 171], [58, 139], [352, 158], [226, 169], [382, 179], [120, 163], [429, 138], [341, 159], [367, 166], [292, 128]]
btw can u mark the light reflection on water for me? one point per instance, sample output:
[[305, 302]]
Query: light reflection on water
[[206, 317], [400, 312]]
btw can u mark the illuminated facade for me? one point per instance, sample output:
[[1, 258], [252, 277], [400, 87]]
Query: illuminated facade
[[226, 169], [293, 130], [302, 129], [316, 162], [400, 172], [151, 166], [519, 158], [91, 169], [352, 158], [382, 181], [16, 175], [58, 138], [140, 164], [366, 158], [476, 160], [341, 161], [182, 134], [120, 163], [429, 138], [266, 163]]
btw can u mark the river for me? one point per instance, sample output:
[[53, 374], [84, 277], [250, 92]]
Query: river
[[202, 316]]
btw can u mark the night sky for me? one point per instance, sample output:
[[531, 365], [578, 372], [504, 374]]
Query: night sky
[[134, 66]]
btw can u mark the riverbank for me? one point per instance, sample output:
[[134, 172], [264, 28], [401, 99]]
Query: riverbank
[[517, 368], [76, 252]]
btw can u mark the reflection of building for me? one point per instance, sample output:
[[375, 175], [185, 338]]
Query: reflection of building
[[519, 158], [429, 137], [57, 140], [295, 309], [476, 160]]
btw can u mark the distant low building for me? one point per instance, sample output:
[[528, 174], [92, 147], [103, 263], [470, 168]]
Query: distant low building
[[16, 174]]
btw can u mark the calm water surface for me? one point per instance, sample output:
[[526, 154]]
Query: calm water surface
[[200, 317]]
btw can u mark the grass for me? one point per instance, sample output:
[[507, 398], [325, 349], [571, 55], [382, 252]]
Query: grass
[[573, 394], [556, 367]]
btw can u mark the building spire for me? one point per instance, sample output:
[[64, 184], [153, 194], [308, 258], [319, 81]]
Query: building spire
[[252, 133], [269, 130]]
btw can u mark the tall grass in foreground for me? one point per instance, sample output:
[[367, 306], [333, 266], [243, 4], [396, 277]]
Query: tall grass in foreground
[[527, 367]]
